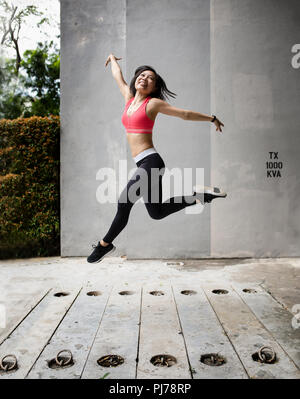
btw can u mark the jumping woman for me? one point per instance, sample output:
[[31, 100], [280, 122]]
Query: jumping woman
[[144, 99]]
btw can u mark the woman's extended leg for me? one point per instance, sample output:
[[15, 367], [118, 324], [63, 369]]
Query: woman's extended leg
[[125, 204]]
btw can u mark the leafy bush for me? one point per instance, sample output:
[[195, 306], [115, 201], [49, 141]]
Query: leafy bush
[[29, 187]]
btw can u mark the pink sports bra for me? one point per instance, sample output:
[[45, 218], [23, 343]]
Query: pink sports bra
[[138, 122]]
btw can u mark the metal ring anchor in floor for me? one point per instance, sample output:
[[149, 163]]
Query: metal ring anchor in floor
[[8, 367], [61, 362], [262, 354]]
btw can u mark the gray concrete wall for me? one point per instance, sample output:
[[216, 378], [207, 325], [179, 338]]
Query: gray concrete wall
[[229, 57]]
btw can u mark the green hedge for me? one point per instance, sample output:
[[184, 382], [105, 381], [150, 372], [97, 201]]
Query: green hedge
[[29, 187]]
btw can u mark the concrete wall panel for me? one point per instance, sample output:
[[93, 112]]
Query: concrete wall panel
[[173, 37], [255, 89]]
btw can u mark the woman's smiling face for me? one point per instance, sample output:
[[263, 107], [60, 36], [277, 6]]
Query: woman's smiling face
[[145, 82]]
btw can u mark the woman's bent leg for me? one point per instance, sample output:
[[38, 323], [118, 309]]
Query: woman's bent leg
[[155, 207], [162, 209]]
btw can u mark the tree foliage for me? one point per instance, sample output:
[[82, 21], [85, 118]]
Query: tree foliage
[[36, 89], [12, 18], [12, 100], [41, 80]]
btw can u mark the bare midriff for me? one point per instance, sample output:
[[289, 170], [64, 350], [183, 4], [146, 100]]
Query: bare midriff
[[139, 142]]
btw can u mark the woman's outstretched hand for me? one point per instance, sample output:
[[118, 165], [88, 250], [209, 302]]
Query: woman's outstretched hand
[[218, 124], [109, 59]]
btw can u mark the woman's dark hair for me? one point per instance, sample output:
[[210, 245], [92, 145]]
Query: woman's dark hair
[[161, 91]]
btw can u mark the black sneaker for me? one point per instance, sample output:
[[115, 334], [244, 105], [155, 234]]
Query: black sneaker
[[209, 193], [100, 252]]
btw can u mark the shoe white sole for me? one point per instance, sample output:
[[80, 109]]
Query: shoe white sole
[[216, 191], [110, 252]]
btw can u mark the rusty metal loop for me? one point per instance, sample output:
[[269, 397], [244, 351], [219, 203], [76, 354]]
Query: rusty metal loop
[[263, 357], [61, 362], [7, 367]]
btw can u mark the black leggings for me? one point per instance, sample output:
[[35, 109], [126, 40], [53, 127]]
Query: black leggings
[[151, 185]]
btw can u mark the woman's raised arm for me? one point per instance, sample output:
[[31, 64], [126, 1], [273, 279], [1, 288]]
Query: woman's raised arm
[[167, 109], [117, 74]]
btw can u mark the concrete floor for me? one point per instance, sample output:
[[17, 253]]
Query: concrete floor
[[140, 326]]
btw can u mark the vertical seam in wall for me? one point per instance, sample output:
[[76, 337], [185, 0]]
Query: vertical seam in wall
[[125, 66], [60, 135], [125, 37], [210, 127]]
